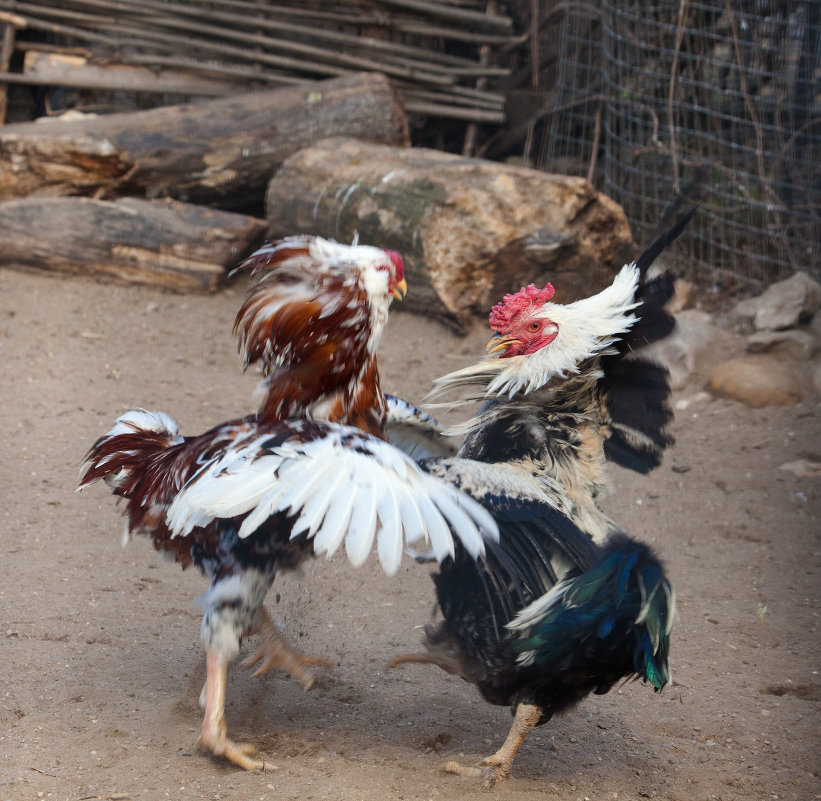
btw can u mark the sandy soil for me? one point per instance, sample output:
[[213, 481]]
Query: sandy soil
[[100, 657]]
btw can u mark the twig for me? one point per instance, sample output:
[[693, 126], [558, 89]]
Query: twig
[[718, 642], [469, 145], [591, 170], [535, 57], [766, 185], [671, 117], [465, 16], [37, 770]]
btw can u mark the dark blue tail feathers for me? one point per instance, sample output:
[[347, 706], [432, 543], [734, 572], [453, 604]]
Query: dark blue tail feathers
[[612, 620]]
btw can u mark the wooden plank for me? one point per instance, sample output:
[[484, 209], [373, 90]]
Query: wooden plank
[[55, 69], [8, 23]]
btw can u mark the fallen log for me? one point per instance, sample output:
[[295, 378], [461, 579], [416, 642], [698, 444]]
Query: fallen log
[[221, 152], [166, 243], [470, 230]]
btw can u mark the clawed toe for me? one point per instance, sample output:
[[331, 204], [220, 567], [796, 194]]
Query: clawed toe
[[272, 655], [239, 753], [274, 652], [490, 770]]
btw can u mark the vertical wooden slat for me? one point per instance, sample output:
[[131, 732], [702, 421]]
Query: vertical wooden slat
[[9, 24]]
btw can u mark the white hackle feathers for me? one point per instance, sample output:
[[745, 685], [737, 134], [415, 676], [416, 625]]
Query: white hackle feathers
[[586, 328]]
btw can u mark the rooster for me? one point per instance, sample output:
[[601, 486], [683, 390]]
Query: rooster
[[311, 470], [565, 603]]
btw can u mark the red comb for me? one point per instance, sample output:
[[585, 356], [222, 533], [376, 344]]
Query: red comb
[[398, 263], [503, 313]]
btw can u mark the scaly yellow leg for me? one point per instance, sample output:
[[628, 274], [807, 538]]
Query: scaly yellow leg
[[497, 767], [276, 653], [214, 730]]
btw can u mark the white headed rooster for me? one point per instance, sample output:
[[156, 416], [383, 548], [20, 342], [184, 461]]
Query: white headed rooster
[[310, 472], [565, 603]]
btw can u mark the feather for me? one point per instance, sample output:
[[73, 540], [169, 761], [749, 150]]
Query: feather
[[332, 531], [359, 539], [313, 512], [438, 532], [390, 541]]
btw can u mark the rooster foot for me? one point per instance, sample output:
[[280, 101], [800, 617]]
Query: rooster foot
[[240, 754], [276, 653], [490, 772], [214, 732], [272, 655], [497, 767]]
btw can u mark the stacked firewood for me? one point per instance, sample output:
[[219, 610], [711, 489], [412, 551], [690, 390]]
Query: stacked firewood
[[443, 57], [177, 194]]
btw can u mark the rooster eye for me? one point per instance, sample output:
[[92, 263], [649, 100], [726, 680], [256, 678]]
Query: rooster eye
[[535, 326]]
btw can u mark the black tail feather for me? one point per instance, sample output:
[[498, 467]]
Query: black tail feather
[[667, 238], [637, 395]]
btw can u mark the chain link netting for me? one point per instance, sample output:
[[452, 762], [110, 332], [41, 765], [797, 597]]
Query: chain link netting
[[720, 100]]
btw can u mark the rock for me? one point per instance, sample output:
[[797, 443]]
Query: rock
[[757, 381], [786, 302], [781, 306], [790, 344], [682, 296], [744, 312], [814, 326], [684, 351]]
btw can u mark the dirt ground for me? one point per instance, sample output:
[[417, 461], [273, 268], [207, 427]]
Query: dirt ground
[[100, 657]]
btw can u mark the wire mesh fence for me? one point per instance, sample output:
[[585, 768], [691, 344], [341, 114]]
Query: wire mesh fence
[[721, 99]]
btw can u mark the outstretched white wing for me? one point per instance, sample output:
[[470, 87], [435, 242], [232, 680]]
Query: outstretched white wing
[[340, 485]]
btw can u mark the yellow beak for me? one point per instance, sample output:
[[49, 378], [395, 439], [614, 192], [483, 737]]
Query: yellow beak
[[500, 343], [400, 290]]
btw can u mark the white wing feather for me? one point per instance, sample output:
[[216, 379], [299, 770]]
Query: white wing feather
[[335, 525], [390, 542], [360, 533], [345, 486]]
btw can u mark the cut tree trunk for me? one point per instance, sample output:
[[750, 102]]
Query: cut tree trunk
[[219, 152], [162, 242], [470, 230]]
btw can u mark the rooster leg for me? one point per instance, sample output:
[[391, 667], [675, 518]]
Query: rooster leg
[[276, 653], [214, 731], [497, 767]]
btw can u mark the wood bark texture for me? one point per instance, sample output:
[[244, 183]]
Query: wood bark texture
[[470, 230], [167, 243], [220, 152]]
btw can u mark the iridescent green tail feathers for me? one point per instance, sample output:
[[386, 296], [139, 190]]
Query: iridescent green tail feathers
[[612, 620]]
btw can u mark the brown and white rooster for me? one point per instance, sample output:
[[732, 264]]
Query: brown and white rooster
[[309, 472]]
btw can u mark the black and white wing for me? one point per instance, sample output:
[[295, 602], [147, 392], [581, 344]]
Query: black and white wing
[[415, 432], [337, 485]]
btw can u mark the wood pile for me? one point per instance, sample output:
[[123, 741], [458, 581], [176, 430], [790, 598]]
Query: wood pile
[[441, 56], [58, 176], [221, 152], [164, 195]]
